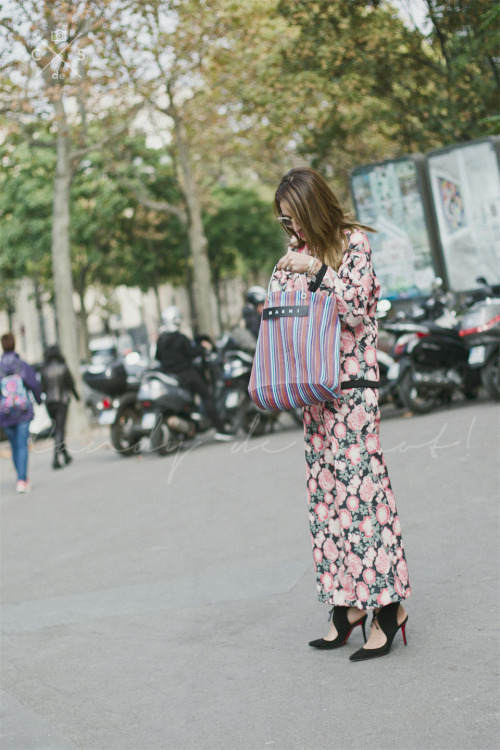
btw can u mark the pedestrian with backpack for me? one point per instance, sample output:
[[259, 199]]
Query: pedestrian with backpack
[[17, 379], [57, 384]]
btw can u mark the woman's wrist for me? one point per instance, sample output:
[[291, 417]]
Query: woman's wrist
[[316, 280], [313, 269], [309, 269]]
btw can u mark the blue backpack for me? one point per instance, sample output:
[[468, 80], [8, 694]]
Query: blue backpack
[[14, 399]]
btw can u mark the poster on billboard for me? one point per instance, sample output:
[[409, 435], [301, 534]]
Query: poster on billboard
[[465, 185], [388, 197]]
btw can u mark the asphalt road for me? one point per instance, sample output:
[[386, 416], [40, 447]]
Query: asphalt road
[[166, 603]]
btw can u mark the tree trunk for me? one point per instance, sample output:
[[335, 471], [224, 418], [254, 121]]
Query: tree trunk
[[203, 296], [217, 289], [39, 311], [61, 268], [158, 304], [10, 317], [83, 331], [189, 281]]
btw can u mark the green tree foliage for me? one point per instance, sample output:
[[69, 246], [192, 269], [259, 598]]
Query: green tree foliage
[[465, 40], [244, 240], [243, 237], [114, 240], [239, 91], [375, 88], [25, 211]]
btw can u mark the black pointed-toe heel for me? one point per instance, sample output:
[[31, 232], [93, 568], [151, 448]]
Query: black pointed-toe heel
[[387, 620], [343, 627]]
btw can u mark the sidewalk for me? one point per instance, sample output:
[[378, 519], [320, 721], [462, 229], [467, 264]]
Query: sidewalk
[[166, 603]]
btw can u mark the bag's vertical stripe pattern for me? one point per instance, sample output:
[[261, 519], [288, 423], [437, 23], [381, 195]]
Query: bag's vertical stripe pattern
[[297, 360]]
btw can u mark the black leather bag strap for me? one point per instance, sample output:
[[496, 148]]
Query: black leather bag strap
[[314, 285], [359, 383]]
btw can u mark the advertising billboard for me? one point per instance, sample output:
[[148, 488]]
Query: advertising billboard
[[465, 185], [389, 197]]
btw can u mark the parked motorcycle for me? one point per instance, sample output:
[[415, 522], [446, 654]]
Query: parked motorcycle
[[166, 412], [480, 333], [432, 358], [117, 382]]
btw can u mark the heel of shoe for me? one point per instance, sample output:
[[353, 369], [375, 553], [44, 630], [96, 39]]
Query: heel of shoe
[[387, 621], [403, 631]]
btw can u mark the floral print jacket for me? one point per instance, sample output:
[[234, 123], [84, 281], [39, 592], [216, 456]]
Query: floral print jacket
[[357, 290]]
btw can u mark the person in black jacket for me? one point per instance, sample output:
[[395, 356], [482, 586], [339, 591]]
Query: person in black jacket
[[252, 312], [175, 352], [57, 384]]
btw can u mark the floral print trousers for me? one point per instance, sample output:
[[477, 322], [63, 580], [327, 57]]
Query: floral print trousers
[[356, 533]]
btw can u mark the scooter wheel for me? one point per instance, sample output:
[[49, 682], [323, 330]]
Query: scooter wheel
[[416, 398], [163, 440], [124, 434], [490, 376]]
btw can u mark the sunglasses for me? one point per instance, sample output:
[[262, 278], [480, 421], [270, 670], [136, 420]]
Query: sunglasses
[[285, 221]]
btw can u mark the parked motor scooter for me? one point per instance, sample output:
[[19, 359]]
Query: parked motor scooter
[[480, 333], [432, 358], [116, 383], [165, 411]]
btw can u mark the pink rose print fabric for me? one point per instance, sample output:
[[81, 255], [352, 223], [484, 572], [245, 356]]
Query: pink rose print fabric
[[356, 533], [355, 529]]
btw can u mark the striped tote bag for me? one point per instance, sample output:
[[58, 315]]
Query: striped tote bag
[[297, 359]]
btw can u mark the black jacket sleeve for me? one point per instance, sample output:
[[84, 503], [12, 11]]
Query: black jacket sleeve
[[70, 384]]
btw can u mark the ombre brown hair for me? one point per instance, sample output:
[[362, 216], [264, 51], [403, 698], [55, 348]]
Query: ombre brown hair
[[318, 212]]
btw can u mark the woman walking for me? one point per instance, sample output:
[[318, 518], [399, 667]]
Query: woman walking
[[17, 381], [57, 384], [356, 533]]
